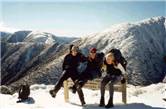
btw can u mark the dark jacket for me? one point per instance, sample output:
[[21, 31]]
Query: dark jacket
[[95, 63], [93, 69], [72, 62], [111, 70]]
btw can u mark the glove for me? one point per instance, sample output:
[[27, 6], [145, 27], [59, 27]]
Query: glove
[[66, 67], [123, 80]]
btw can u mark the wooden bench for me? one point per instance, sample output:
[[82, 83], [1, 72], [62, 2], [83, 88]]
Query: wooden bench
[[95, 85]]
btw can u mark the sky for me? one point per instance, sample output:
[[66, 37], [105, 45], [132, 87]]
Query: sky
[[75, 17]]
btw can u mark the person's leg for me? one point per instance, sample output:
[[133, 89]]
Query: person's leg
[[113, 80], [81, 95], [80, 81], [73, 88], [111, 91], [77, 84], [77, 87], [75, 78], [104, 82], [65, 75]]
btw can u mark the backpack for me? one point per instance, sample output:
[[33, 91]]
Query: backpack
[[100, 58], [24, 92], [118, 57], [164, 59]]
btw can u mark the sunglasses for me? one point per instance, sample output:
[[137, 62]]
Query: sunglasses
[[93, 52]]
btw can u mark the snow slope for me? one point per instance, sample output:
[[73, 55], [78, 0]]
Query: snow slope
[[142, 43], [149, 97], [23, 50]]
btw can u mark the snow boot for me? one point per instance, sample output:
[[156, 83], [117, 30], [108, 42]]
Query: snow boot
[[73, 89], [102, 102], [110, 103], [52, 93], [81, 96]]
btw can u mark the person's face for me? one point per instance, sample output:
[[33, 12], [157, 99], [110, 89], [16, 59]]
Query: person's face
[[109, 60], [92, 55], [74, 52]]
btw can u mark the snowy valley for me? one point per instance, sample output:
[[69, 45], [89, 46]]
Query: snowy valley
[[36, 57]]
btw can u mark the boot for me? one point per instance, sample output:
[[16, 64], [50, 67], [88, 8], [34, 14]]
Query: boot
[[52, 93], [81, 96], [110, 103], [73, 89], [83, 103], [82, 99], [102, 102]]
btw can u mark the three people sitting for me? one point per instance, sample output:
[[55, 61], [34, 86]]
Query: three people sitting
[[115, 67]]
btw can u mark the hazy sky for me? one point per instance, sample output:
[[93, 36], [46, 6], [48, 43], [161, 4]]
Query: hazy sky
[[71, 18]]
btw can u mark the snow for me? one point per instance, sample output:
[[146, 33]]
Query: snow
[[141, 43], [37, 36], [149, 97]]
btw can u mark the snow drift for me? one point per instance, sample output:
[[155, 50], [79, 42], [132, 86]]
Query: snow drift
[[150, 97]]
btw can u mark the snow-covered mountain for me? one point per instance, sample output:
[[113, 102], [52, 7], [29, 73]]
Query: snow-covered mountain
[[18, 36], [143, 44], [33, 37], [23, 50], [150, 97]]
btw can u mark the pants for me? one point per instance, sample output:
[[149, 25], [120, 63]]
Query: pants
[[73, 74], [83, 78], [89, 74], [64, 76], [111, 80]]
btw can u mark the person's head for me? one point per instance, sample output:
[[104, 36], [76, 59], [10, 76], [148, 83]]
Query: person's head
[[70, 47], [110, 59], [92, 53], [74, 50]]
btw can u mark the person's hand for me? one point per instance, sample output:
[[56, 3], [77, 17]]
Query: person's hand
[[123, 80], [100, 74], [66, 67]]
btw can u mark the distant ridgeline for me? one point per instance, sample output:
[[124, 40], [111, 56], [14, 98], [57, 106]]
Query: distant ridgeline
[[36, 57]]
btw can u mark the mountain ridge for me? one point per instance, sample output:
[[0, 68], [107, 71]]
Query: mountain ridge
[[141, 43]]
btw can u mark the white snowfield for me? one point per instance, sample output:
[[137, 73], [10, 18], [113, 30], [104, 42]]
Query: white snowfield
[[150, 97]]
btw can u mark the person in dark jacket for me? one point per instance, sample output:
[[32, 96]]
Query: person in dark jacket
[[94, 65], [70, 64], [115, 73], [92, 71]]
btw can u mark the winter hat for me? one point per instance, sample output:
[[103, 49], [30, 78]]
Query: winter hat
[[93, 50]]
